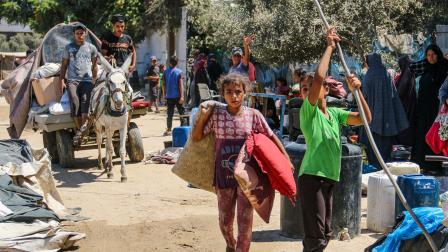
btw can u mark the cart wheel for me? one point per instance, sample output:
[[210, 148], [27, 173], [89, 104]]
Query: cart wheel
[[134, 145], [66, 150], [49, 139]]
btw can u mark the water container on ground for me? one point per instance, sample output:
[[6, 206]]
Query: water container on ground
[[400, 168], [291, 220], [380, 204], [419, 191], [193, 114], [443, 183], [347, 193], [180, 135], [294, 123], [346, 199]]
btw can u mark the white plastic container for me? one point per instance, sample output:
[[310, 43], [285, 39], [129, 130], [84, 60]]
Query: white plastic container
[[380, 204], [401, 168]]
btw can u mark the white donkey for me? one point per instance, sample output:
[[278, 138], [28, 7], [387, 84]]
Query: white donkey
[[109, 112]]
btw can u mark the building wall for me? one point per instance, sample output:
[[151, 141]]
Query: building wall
[[156, 44]]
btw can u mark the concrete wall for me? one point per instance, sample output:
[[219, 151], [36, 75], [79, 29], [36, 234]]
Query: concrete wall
[[156, 44]]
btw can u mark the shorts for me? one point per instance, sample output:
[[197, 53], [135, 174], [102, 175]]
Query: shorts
[[79, 93], [153, 91]]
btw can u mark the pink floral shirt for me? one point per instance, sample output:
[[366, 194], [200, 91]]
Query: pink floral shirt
[[231, 132]]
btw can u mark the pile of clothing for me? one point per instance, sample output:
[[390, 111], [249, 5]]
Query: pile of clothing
[[31, 208], [166, 156]]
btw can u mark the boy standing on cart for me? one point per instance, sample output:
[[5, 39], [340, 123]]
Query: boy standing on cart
[[78, 73]]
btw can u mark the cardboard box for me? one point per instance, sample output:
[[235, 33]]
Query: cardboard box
[[47, 90]]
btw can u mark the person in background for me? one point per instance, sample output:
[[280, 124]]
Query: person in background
[[282, 86], [252, 74], [173, 91], [240, 63], [201, 76], [389, 117], [433, 71], [117, 45], [152, 75], [79, 65], [161, 99], [405, 84], [214, 71], [19, 61], [320, 169]]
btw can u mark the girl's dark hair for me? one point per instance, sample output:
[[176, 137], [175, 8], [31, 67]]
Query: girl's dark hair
[[233, 78]]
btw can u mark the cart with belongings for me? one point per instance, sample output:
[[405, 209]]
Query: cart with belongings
[[36, 101]]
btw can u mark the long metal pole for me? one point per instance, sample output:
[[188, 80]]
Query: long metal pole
[[372, 141]]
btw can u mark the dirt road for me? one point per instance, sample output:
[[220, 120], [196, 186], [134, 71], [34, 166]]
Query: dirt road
[[154, 210]]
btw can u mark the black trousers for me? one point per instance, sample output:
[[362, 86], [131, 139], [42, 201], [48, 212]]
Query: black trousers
[[317, 203], [171, 103]]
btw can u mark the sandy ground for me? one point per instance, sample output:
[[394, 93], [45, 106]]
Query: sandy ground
[[155, 210]]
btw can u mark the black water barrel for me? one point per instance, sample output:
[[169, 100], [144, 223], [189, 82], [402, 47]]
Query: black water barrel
[[294, 123], [291, 221], [347, 193]]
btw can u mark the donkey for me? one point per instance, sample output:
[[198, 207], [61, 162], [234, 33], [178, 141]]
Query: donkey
[[108, 109]]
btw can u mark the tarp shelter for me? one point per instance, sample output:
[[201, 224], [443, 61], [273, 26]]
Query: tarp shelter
[[7, 62], [442, 37], [18, 85]]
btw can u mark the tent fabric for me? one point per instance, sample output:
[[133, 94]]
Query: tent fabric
[[15, 151], [36, 236], [25, 204], [38, 176]]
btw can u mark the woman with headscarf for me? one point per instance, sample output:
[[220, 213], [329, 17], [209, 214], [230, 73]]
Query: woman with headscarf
[[405, 84], [433, 71], [201, 76], [388, 115]]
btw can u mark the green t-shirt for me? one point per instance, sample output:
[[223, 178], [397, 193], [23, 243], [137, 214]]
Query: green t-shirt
[[323, 140], [160, 82]]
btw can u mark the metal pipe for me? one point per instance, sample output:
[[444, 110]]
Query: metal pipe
[[372, 141]]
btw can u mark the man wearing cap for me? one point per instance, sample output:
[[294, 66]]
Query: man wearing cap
[[79, 58], [152, 75], [118, 45], [240, 61]]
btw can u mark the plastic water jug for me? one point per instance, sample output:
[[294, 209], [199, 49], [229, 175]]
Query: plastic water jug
[[380, 203], [401, 168], [419, 191], [180, 135]]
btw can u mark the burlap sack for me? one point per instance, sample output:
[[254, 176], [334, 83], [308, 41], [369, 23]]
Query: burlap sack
[[196, 164]]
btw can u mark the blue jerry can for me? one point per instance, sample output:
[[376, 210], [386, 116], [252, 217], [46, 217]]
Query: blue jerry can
[[419, 191], [180, 135]]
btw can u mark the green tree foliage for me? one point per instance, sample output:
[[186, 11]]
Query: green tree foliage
[[20, 42], [291, 30], [42, 15]]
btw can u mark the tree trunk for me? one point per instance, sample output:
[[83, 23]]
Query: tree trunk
[[171, 43]]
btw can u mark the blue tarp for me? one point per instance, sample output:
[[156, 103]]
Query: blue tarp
[[431, 218]]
